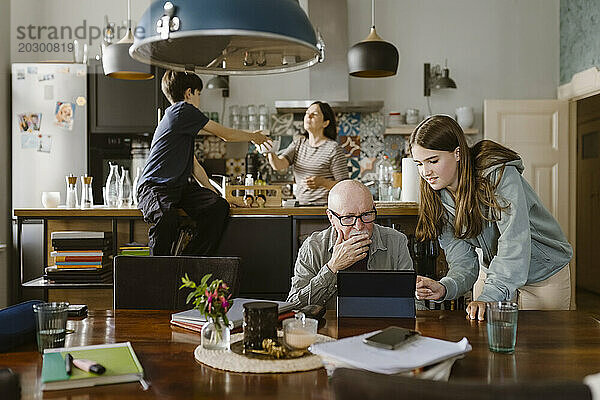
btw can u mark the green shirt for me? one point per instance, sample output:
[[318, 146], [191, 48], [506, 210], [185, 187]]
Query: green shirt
[[314, 283]]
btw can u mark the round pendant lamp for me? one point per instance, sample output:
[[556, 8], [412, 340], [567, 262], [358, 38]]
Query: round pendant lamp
[[227, 37], [116, 61], [373, 57]]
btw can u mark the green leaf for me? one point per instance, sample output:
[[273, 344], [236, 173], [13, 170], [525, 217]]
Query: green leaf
[[205, 279]]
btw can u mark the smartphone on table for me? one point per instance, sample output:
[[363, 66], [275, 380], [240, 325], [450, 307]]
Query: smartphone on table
[[392, 337], [77, 310]]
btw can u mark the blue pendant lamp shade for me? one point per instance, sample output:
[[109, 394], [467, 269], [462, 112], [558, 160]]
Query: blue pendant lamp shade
[[227, 36]]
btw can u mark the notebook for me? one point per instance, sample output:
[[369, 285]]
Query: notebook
[[119, 359], [235, 314]]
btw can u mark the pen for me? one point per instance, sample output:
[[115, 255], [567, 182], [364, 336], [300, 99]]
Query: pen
[[89, 366], [68, 363]]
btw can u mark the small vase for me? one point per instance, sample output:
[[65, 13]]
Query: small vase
[[216, 335]]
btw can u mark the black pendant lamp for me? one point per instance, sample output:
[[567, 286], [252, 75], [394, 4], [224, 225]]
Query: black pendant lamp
[[116, 61], [373, 57]]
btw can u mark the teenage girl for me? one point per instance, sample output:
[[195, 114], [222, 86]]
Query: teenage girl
[[476, 197]]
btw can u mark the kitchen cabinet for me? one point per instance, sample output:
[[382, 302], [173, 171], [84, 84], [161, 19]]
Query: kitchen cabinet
[[118, 106]]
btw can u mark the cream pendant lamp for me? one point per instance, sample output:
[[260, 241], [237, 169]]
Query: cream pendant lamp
[[373, 57], [116, 61]]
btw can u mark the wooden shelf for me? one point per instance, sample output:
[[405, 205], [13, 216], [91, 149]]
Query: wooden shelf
[[408, 129]]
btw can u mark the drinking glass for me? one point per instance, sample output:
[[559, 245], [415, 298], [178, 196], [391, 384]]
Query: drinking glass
[[502, 326], [51, 324]]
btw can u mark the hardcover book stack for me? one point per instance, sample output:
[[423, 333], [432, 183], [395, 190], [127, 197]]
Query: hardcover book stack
[[81, 257], [134, 249]]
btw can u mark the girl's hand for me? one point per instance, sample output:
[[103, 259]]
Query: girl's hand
[[429, 289], [476, 310]]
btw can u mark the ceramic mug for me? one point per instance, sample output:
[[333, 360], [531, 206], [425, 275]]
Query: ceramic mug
[[50, 199], [465, 117]]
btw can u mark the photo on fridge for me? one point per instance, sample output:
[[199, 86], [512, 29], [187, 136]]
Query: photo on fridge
[[64, 114]]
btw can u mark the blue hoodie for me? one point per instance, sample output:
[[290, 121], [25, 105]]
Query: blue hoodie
[[526, 245]]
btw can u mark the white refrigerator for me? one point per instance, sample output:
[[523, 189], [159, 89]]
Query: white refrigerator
[[49, 123]]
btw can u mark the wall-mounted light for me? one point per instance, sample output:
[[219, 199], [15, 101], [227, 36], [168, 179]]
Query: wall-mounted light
[[436, 77], [373, 57], [219, 82]]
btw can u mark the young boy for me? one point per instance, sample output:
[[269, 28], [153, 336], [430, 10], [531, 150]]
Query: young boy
[[173, 178]]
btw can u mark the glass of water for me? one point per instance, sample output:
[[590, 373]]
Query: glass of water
[[502, 326], [51, 324]]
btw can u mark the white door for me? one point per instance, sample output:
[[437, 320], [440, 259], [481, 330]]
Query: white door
[[539, 131]]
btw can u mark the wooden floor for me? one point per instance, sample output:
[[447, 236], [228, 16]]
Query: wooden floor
[[587, 301]]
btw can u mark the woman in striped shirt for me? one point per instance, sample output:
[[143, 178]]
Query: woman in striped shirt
[[318, 160]]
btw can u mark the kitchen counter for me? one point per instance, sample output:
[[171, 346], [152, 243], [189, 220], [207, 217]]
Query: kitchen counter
[[267, 240], [61, 212]]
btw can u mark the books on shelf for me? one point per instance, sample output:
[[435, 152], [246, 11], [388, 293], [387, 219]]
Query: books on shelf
[[119, 359], [77, 253], [134, 249], [80, 235], [193, 319], [81, 240], [78, 275]]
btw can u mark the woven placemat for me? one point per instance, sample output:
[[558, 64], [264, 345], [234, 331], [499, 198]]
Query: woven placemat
[[230, 361]]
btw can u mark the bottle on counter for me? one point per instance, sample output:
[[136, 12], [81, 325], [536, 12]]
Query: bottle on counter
[[249, 182], [138, 172], [125, 195], [71, 191], [87, 197], [111, 190], [384, 178]]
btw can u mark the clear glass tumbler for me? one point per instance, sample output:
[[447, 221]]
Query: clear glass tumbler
[[51, 324], [502, 326]]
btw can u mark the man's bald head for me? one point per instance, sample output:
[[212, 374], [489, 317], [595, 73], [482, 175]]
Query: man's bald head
[[348, 192]]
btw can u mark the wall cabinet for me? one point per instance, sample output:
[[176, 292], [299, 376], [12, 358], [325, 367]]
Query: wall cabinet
[[118, 106]]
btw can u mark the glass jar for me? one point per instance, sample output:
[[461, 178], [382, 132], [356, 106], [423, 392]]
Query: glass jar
[[412, 116], [216, 335]]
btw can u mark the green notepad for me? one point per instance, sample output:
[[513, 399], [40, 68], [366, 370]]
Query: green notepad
[[119, 359]]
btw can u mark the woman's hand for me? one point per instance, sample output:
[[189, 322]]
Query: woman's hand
[[313, 182], [476, 310], [429, 289]]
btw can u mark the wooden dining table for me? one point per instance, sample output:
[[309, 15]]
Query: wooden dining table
[[551, 345]]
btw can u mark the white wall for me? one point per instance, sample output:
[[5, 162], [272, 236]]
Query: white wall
[[496, 49]]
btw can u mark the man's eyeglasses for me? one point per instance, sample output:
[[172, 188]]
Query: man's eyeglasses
[[350, 220]]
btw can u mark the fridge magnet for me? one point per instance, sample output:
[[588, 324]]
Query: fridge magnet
[[45, 143], [32, 70], [29, 141], [20, 74], [80, 101], [64, 114], [45, 77], [64, 70], [29, 122]]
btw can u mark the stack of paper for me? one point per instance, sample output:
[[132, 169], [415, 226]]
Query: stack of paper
[[417, 353]]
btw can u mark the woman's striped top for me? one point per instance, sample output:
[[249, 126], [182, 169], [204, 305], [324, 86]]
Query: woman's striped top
[[327, 160]]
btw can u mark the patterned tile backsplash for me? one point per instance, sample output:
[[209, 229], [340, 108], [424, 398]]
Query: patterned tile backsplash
[[360, 134]]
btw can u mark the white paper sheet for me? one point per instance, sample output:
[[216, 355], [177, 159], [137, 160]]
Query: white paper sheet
[[421, 352]]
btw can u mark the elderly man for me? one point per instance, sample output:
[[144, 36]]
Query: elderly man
[[353, 242]]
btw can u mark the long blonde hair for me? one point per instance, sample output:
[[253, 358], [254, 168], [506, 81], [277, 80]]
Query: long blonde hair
[[474, 195]]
